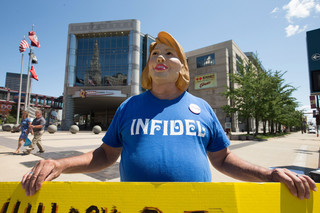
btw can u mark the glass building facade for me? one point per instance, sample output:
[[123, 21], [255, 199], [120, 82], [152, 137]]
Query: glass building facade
[[104, 59], [13, 81], [104, 65]]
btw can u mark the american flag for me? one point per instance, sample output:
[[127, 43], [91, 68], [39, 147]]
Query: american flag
[[23, 45]]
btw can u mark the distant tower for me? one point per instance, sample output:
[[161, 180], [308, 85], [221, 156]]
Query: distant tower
[[93, 76]]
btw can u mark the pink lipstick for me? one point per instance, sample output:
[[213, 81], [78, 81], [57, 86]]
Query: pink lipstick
[[161, 67]]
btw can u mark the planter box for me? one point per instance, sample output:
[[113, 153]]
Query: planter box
[[250, 137], [242, 137], [234, 137]]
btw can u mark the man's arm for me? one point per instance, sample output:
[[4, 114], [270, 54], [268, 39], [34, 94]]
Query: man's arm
[[47, 170], [39, 126], [36, 126], [230, 164]]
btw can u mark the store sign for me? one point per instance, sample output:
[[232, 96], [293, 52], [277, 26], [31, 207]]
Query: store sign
[[205, 81], [103, 197], [98, 93], [227, 125], [5, 107], [313, 49], [313, 102]]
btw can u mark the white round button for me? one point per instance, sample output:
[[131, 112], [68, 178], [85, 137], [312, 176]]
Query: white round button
[[194, 108]]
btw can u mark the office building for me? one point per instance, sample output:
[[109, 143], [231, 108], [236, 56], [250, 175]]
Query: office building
[[103, 66], [209, 77], [13, 81]]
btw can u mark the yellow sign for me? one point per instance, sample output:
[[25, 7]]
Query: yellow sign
[[205, 81], [107, 197]]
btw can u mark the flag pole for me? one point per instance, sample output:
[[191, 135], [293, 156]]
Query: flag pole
[[20, 86], [28, 83], [27, 101]]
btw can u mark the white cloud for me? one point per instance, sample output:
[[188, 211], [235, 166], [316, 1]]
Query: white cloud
[[317, 8], [294, 29], [299, 9], [276, 9]]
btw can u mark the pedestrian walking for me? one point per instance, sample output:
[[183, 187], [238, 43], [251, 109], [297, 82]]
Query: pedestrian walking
[[38, 130], [24, 127]]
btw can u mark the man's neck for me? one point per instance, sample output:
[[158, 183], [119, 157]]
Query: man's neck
[[166, 92]]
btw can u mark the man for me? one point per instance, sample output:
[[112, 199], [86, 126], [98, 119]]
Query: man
[[165, 134], [37, 127]]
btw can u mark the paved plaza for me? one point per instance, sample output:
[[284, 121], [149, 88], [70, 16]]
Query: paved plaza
[[298, 152]]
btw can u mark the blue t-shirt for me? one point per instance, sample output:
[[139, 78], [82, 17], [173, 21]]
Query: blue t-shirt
[[165, 140]]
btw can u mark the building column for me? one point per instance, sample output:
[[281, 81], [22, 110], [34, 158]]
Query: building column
[[135, 62], [68, 113]]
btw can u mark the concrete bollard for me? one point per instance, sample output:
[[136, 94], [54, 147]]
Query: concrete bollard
[[52, 129], [7, 127], [74, 129], [15, 128], [96, 129]]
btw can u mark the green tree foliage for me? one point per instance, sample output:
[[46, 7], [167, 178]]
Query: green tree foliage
[[10, 119], [243, 94], [262, 95]]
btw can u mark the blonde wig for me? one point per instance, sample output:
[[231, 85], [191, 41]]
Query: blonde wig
[[183, 79]]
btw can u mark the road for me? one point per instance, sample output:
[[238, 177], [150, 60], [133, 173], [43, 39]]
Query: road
[[298, 152]]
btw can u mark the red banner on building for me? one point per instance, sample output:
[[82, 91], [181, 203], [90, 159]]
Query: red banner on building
[[313, 102]]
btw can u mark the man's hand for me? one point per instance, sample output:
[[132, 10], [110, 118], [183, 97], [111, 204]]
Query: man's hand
[[45, 170], [230, 164], [299, 185]]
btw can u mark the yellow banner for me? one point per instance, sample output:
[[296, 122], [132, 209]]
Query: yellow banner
[[106, 197], [205, 81]]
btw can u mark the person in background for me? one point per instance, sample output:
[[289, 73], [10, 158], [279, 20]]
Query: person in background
[[38, 129], [24, 127], [165, 135]]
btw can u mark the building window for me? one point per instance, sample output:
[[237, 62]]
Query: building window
[[102, 59], [206, 60], [239, 62]]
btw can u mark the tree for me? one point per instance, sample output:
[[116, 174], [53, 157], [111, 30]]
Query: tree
[[280, 103], [242, 94], [261, 95]]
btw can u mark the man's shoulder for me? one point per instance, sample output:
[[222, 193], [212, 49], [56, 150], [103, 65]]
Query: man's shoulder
[[38, 120]]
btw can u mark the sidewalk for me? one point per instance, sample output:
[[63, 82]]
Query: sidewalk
[[296, 151], [58, 145]]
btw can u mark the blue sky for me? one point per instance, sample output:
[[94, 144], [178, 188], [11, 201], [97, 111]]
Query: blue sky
[[275, 29]]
